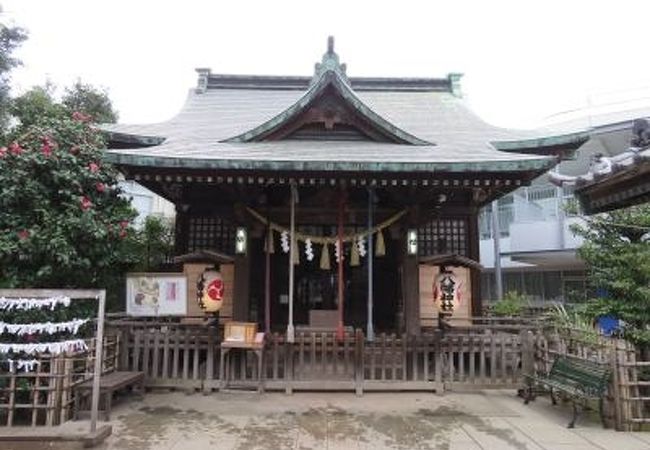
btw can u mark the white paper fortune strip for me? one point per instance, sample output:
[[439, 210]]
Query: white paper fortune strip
[[8, 304], [20, 329], [53, 348], [26, 365]]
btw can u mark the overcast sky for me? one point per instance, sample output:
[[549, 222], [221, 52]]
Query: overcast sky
[[523, 60]]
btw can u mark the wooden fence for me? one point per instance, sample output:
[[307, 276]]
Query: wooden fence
[[633, 377], [187, 356], [45, 396]]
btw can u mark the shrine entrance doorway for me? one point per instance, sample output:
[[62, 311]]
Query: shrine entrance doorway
[[316, 302]]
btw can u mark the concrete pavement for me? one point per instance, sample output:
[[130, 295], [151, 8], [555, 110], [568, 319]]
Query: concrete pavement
[[376, 421]]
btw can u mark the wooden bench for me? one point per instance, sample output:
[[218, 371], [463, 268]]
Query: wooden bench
[[579, 380], [108, 384]]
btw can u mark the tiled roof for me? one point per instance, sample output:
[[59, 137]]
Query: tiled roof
[[617, 181], [430, 110]]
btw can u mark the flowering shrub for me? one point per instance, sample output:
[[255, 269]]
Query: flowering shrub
[[63, 222]]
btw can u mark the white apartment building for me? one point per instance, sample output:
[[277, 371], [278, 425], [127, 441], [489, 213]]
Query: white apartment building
[[146, 202], [538, 249]]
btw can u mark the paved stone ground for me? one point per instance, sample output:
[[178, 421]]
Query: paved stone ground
[[274, 421]]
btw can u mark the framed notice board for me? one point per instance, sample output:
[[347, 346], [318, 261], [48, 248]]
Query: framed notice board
[[156, 294]]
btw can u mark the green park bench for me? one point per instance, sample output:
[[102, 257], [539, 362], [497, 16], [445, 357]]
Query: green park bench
[[579, 380]]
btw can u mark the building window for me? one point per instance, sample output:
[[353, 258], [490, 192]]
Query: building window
[[443, 236], [211, 233]]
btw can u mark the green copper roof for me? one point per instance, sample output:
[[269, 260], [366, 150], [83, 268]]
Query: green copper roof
[[335, 156], [539, 143], [225, 119]]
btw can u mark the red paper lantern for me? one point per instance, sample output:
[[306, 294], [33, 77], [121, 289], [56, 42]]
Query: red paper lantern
[[210, 291]]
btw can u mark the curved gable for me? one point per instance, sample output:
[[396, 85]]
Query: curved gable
[[329, 110]]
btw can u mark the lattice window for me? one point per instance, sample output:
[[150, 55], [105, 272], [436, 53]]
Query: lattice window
[[211, 233], [443, 236]]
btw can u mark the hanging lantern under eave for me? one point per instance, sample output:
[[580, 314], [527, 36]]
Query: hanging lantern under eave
[[210, 291]]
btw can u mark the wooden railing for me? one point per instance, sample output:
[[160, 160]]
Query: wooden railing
[[483, 361], [171, 355]]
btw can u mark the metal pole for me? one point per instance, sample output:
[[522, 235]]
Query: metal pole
[[370, 329], [496, 237], [99, 347], [292, 249], [339, 328], [561, 217]]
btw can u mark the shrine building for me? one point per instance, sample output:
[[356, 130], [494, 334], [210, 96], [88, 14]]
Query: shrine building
[[381, 180]]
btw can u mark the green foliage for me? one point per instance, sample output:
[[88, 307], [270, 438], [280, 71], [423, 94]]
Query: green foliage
[[512, 304], [63, 221], [10, 39], [39, 103], [576, 317], [152, 244], [36, 105], [91, 101], [617, 253]]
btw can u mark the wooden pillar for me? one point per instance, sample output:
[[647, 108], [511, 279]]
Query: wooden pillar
[[410, 280], [181, 231], [474, 253], [241, 294]]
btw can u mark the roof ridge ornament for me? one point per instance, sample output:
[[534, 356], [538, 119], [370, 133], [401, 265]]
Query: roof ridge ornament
[[204, 75], [641, 134], [329, 63]]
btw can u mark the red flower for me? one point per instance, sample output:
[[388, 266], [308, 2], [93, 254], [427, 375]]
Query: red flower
[[85, 203], [124, 224], [123, 234], [23, 234], [93, 167], [80, 117], [48, 146], [3, 152], [46, 149], [15, 148], [101, 187]]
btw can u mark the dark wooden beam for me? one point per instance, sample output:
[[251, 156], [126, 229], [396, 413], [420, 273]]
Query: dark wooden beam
[[410, 278], [474, 253]]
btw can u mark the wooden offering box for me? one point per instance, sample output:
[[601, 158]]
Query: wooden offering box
[[243, 332]]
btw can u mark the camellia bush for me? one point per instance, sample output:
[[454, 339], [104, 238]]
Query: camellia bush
[[63, 222]]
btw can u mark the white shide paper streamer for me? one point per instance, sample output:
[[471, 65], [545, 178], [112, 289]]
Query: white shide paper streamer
[[284, 241], [309, 250]]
